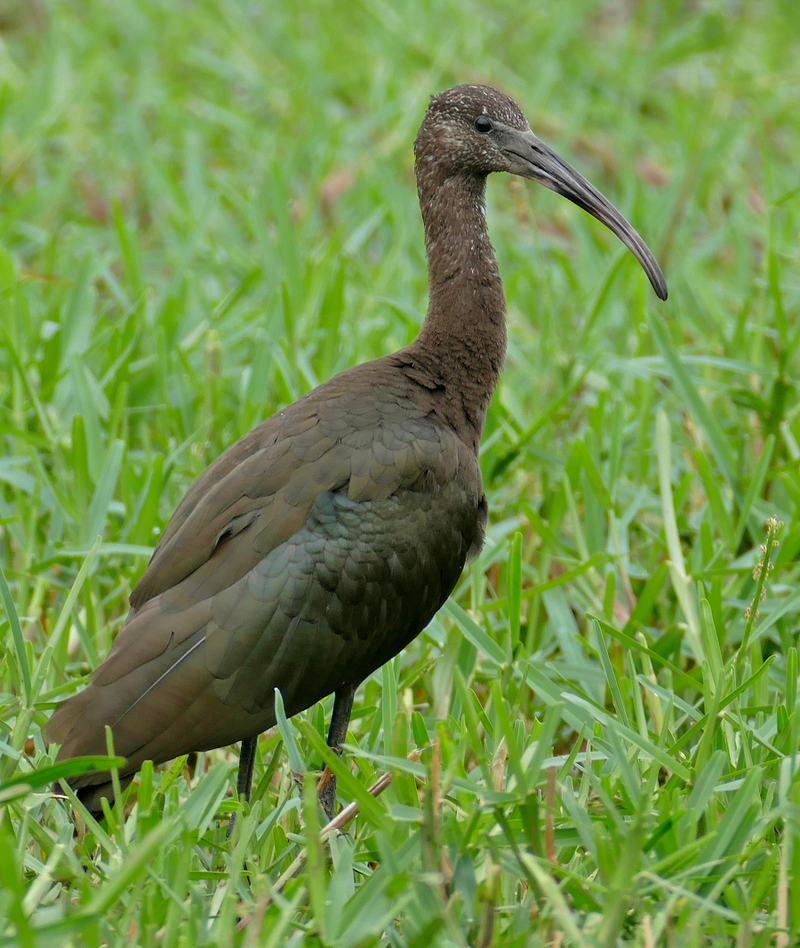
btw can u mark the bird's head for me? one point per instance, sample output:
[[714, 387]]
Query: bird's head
[[475, 130]]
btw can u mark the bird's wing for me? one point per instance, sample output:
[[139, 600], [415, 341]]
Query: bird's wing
[[326, 607], [337, 438]]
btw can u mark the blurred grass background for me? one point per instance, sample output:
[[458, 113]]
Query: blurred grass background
[[208, 207]]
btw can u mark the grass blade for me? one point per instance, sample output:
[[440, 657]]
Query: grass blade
[[16, 634], [677, 567]]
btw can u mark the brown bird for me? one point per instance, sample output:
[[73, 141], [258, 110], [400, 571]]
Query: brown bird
[[321, 543]]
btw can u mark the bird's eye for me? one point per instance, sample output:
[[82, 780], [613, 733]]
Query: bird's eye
[[483, 124]]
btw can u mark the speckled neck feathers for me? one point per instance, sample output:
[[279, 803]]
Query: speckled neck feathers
[[463, 338]]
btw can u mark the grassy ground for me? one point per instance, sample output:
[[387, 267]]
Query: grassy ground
[[208, 207]]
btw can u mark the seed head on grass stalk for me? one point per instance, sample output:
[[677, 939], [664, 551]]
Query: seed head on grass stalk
[[761, 571]]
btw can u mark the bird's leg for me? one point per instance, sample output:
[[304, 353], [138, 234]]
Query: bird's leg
[[247, 759], [342, 706], [244, 778]]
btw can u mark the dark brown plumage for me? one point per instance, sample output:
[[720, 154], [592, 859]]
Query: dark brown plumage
[[321, 543]]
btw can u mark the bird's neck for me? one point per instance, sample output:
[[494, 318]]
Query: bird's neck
[[463, 338]]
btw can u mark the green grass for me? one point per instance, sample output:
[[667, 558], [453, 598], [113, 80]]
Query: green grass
[[208, 207]]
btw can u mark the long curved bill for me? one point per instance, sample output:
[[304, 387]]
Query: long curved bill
[[530, 157]]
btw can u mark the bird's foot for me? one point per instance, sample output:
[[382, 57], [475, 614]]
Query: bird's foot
[[326, 790]]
